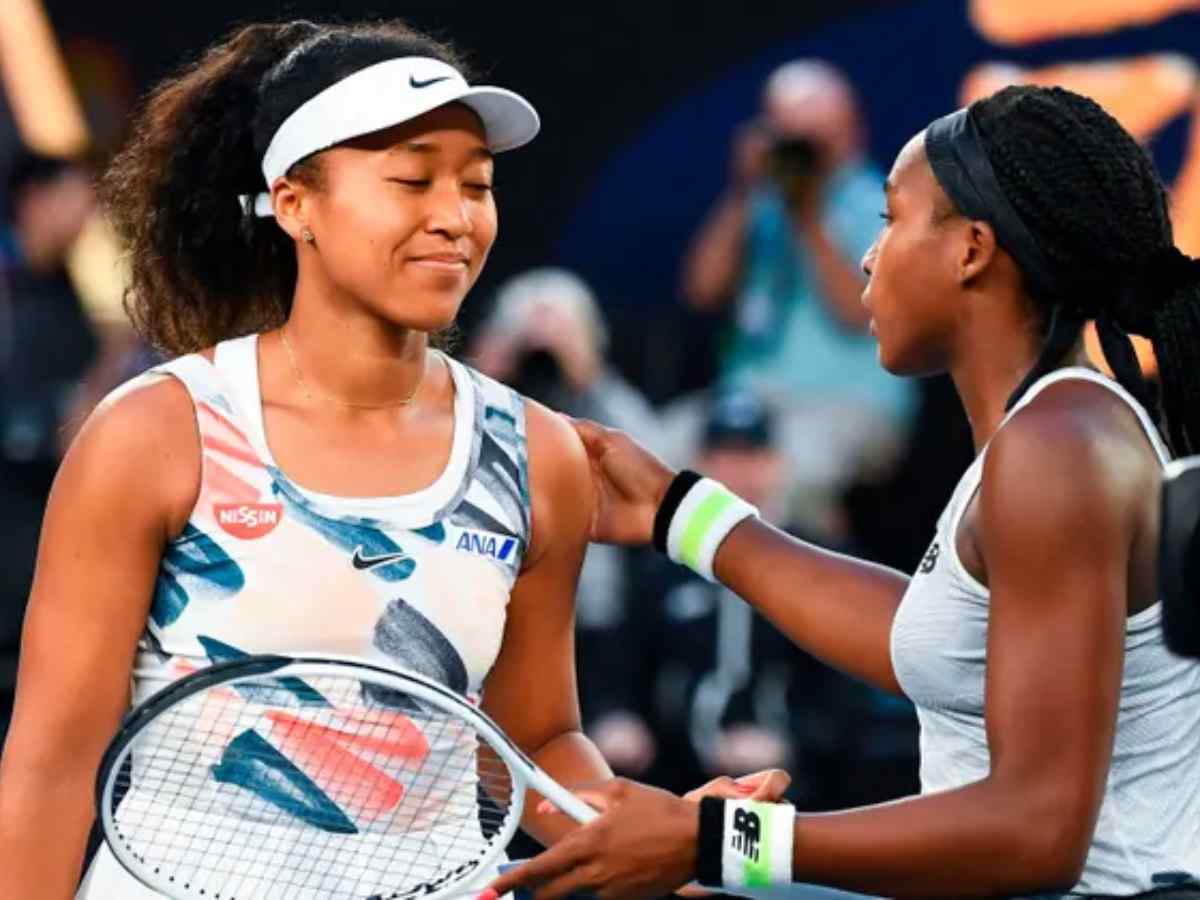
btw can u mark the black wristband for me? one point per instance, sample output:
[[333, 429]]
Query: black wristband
[[680, 485], [710, 845]]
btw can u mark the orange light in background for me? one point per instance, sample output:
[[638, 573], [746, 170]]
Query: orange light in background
[[50, 120], [1141, 346], [99, 272], [1028, 21], [36, 83], [1143, 93], [1185, 195]]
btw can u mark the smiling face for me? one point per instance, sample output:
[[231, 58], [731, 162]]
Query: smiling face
[[915, 269], [403, 218]]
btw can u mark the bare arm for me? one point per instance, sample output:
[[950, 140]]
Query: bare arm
[[1057, 530], [840, 279], [539, 638], [714, 260], [838, 608], [109, 514], [713, 263]]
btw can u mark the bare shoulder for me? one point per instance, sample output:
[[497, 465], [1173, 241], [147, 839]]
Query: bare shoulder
[[560, 479], [554, 447], [146, 413], [143, 441], [1076, 450]]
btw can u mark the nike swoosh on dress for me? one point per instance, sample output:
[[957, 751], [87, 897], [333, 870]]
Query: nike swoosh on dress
[[369, 562]]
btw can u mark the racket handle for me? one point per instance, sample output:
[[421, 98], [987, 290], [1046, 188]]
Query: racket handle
[[563, 799]]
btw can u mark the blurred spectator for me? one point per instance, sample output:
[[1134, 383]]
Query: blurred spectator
[[547, 338], [784, 243], [46, 345], [707, 687]]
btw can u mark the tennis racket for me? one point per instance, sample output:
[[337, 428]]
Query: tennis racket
[[313, 778]]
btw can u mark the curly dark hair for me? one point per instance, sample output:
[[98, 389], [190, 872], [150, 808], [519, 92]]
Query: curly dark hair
[[203, 268], [1093, 200]]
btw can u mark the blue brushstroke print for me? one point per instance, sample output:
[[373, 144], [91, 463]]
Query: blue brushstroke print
[[289, 692], [253, 764], [410, 640], [194, 555], [363, 535], [435, 533]]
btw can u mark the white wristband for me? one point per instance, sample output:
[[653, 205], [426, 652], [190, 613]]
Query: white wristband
[[757, 849], [703, 519]]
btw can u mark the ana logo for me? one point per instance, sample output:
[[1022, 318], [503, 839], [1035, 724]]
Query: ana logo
[[931, 558], [747, 833], [248, 520], [496, 546]]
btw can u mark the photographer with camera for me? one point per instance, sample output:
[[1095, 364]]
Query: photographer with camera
[[546, 337], [783, 244]]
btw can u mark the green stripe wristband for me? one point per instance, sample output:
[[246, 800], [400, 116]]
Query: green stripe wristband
[[701, 521]]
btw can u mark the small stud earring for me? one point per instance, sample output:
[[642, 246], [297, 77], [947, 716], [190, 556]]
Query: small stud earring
[[308, 236]]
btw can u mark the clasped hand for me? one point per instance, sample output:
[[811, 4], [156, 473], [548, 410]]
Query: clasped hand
[[642, 845]]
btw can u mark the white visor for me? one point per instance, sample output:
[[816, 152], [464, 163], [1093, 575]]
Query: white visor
[[384, 95]]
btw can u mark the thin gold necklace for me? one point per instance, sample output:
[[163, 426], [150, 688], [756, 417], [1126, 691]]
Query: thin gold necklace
[[309, 394]]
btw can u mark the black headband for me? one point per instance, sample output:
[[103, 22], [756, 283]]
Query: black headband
[[313, 65], [955, 151]]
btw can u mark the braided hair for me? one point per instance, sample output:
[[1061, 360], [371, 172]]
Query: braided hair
[[1090, 195], [203, 268]]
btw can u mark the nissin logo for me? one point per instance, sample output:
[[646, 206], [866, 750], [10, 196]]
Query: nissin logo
[[248, 520], [480, 542]]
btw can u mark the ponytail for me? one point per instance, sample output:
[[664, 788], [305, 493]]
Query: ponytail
[[1175, 335], [201, 269], [1090, 197]]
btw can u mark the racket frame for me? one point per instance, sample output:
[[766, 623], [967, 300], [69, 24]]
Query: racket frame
[[525, 772]]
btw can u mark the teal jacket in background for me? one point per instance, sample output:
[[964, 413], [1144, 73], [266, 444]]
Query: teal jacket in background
[[785, 338]]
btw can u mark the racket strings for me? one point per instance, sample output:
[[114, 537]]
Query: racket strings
[[254, 792], [317, 859]]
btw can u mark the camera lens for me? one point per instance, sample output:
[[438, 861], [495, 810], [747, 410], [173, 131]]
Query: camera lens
[[794, 157]]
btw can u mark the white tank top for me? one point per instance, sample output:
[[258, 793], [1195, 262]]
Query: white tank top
[[1148, 832], [263, 565], [266, 565]]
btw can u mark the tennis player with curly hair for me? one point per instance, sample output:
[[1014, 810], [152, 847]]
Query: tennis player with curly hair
[[306, 208]]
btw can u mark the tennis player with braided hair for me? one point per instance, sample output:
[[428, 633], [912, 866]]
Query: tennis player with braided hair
[[309, 474], [1060, 740]]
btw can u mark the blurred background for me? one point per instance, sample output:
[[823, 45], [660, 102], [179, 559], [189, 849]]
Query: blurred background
[[679, 256]]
